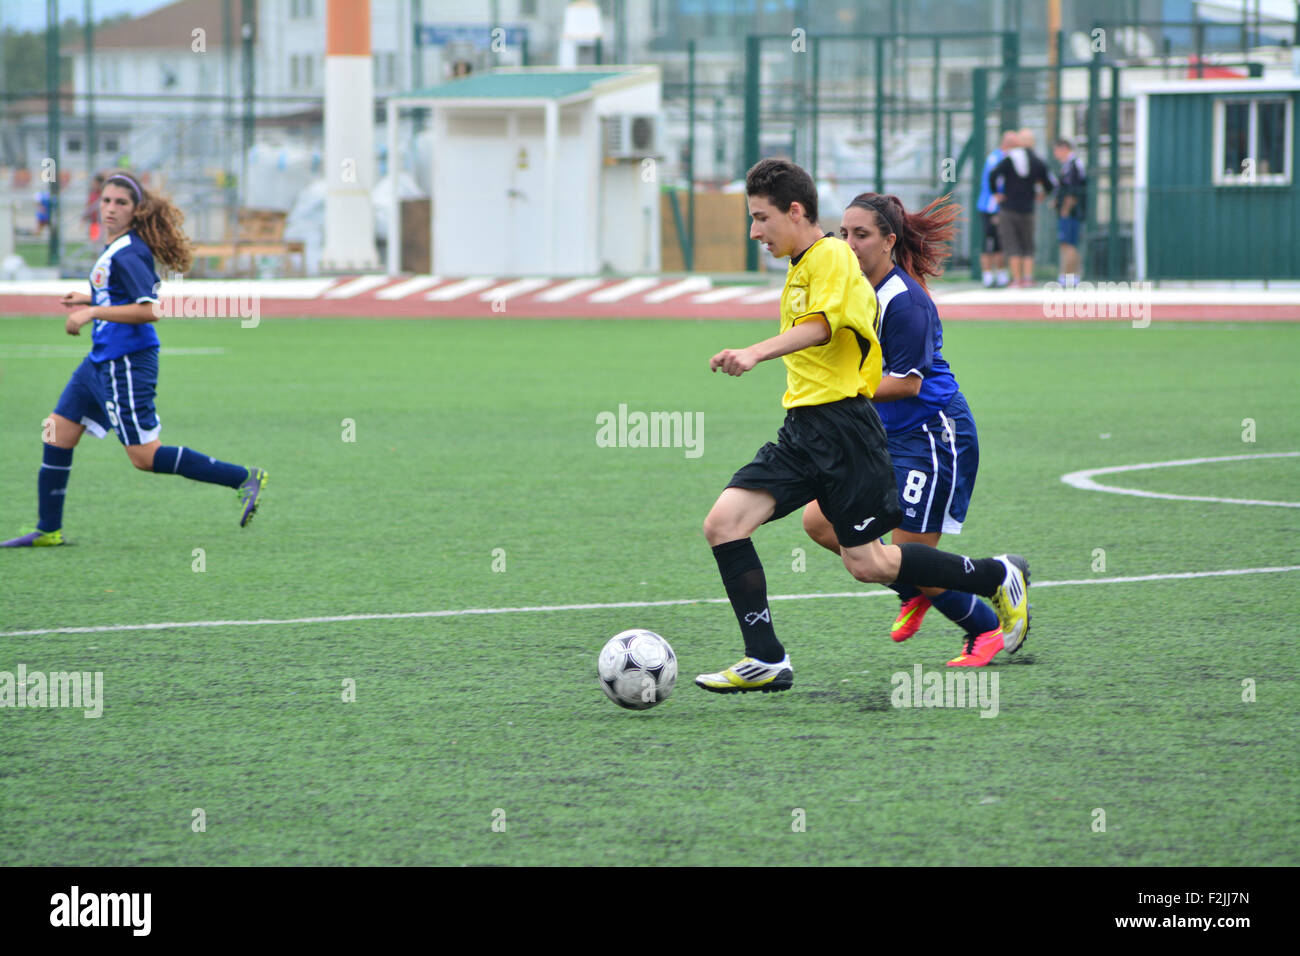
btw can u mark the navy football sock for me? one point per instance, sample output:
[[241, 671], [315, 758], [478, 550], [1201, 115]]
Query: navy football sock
[[172, 460], [965, 610], [51, 486], [742, 576]]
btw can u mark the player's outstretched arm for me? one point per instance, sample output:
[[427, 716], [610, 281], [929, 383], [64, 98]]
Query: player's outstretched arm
[[137, 313], [812, 331]]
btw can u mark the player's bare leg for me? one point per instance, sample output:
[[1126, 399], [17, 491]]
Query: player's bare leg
[[914, 606], [142, 455]]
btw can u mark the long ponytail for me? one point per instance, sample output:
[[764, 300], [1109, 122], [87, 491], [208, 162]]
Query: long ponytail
[[922, 239]]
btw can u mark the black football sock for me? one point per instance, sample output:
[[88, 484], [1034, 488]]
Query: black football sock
[[742, 576], [923, 566], [904, 591]]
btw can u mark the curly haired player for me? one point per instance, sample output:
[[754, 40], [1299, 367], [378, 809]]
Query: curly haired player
[[114, 386]]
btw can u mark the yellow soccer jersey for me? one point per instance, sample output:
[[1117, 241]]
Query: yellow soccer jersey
[[828, 280]]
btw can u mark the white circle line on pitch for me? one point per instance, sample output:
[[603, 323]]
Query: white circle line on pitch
[[1083, 480]]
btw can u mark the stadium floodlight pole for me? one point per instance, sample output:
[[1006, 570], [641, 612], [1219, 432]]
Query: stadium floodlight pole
[[880, 114], [248, 125], [1112, 231], [689, 259], [750, 140], [392, 257], [88, 35], [1094, 133], [52, 119], [350, 139], [979, 123]]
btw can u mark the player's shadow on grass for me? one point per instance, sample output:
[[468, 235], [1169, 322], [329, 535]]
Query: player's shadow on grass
[[864, 700], [1018, 660]]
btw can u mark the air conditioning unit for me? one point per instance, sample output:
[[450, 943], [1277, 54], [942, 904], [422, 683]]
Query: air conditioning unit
[[629, 136]]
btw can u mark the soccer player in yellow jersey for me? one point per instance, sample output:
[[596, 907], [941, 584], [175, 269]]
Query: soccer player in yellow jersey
[[832, 447]]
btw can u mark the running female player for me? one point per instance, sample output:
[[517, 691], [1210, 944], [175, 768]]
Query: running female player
[[932, 437], [114, 386]]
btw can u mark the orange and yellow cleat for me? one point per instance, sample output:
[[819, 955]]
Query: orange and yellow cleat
[[979, 649], [909, 618]]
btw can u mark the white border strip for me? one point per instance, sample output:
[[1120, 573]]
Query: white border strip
[[1083, 480], [474, 611]]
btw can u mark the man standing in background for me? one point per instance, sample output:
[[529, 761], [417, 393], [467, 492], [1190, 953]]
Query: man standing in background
[[1069, 210], [991, 258], [1020, 172]]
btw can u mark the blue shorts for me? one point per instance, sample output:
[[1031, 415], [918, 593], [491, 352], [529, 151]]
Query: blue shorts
[[1067, 230], [115, 395], [935, 466]]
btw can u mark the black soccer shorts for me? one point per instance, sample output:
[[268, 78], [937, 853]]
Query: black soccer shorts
[[837, 454]]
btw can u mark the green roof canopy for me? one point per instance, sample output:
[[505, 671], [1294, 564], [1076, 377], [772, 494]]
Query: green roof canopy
[[542, 84]]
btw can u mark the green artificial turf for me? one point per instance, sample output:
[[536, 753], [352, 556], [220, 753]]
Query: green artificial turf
[[475, 481]]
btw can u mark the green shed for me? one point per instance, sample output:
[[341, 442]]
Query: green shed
[[1216, 196]]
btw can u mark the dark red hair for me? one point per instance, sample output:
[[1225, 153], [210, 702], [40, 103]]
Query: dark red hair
[[922, 239]]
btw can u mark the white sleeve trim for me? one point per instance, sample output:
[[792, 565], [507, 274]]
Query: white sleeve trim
[[907, 374]]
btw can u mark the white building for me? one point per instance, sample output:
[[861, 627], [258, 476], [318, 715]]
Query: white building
[[542, 171]]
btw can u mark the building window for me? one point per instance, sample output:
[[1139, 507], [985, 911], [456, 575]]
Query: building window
[[294, 78], [1252, 142], [308, 69]]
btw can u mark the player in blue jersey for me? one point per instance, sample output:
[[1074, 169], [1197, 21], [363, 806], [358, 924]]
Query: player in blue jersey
[[991, 259], [931, 432], [113, 388]]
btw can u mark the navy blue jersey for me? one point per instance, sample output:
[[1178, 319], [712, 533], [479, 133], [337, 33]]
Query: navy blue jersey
[[911, 338], [124, 275]]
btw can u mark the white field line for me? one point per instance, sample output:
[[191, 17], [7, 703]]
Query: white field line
[[474, 611], [1083, 480], [67, 351]]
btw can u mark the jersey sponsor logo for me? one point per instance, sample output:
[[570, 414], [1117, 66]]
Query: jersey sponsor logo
[[863, 526], [753, 617], [99, 277]]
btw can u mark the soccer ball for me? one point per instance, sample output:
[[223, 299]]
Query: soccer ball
[[637, 669]]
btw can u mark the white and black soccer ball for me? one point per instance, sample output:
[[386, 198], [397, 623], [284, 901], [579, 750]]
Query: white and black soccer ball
[[637, 669]]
